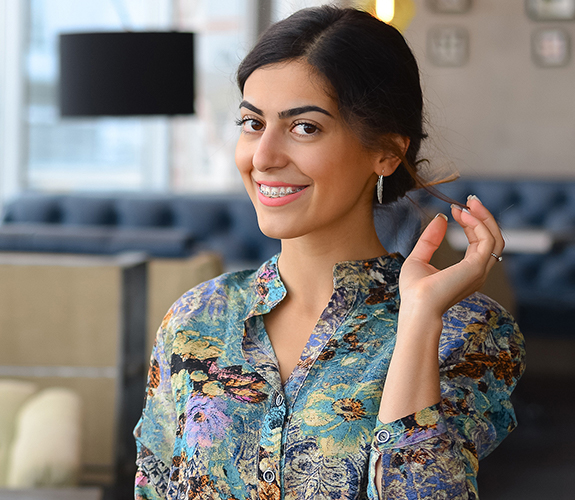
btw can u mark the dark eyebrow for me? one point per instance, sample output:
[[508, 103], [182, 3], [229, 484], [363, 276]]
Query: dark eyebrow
[[251, 107], [302, 109], [288, 113]]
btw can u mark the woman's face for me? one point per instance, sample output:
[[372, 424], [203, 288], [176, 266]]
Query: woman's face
[[303, 168]]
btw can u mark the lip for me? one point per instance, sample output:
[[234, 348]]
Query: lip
[[279, 184], [284, 200]]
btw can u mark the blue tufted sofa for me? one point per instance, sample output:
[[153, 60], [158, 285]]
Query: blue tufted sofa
[[159, 225], [544, 284], [181, 225]]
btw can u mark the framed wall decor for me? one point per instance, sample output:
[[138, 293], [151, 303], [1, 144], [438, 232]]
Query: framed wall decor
[[550, 10], [448, 46], [550, 47], [449, 6]]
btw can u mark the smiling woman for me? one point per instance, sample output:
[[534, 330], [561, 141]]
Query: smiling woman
[[336, 370], [294, 138]]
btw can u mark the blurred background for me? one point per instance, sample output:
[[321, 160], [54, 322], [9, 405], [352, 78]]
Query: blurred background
[[106, 218]]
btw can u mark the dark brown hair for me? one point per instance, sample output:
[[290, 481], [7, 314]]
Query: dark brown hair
[[372, 71]]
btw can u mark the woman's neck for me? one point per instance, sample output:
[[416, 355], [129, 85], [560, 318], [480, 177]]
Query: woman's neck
[[306, 264]]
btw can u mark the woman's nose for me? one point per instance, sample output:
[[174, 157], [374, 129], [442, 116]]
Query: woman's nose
[[270, 151]]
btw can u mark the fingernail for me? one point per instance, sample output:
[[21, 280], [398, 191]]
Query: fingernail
[[457, 207], [473, 197], [442, 216]]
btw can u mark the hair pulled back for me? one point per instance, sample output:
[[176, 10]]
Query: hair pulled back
[[371, 69]]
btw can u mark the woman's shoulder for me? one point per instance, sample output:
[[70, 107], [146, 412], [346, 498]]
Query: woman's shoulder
[[230, 282], [475, 306], [479, 324], [217, 298]]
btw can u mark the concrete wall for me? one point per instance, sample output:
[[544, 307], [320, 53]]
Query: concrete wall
[[499, 115]]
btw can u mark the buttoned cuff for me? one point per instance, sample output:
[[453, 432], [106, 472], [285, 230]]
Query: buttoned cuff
[[409, 430], [403, 433]]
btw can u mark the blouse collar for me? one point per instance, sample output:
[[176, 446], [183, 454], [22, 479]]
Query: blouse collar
[[268, 289]]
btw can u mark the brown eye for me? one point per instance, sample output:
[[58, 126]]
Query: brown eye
[[305, 129], [256, 125], [250, 125], [309, 129]]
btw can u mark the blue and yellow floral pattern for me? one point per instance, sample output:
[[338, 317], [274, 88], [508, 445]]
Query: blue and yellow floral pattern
[[219, 424]]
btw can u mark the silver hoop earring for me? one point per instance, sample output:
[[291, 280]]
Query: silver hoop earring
[[380, 189]]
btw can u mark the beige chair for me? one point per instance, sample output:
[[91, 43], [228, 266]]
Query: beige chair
[[86, 324], [13, 395], [40, 436]]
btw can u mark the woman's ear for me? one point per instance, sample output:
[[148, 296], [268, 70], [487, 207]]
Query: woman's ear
[[393, 154]]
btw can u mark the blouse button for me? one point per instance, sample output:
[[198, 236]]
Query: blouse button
[[279, 399], [269, 476], [382, 436]]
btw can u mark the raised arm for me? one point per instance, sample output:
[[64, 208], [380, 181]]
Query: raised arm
[[426, 294], [412, 411]]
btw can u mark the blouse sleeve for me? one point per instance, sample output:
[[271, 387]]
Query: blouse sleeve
[[156, 429], [437, 449]]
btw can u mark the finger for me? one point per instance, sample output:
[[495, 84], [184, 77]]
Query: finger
[[481, 240], [474, 228], [478, 209], [430, 239]]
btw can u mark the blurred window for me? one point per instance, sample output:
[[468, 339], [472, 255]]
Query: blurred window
[[90, 153], [45, 152]]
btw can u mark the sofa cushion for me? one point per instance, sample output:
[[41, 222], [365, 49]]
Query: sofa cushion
[[202, 215], [34, 208], [105, 240], [143, 212], [515, 203], [88, 210], [46, 447], [13, 394]]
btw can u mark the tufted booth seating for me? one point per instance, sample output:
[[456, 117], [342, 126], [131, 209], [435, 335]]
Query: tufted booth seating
[[178, 226], [544, 283], [159, 225]]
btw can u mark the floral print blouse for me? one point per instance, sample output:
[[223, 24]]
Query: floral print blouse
[[219, 424]]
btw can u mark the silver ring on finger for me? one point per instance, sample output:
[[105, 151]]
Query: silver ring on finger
[[497, 257]]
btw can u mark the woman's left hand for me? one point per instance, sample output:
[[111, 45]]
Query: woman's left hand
[[422, 285]]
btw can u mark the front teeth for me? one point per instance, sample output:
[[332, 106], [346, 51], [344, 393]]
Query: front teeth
[[277, 192]]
